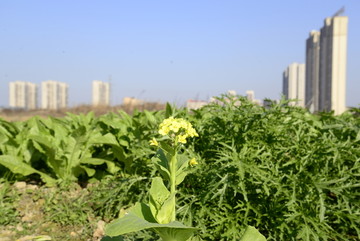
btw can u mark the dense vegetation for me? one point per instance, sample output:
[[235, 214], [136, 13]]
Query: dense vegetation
[[291, 174]]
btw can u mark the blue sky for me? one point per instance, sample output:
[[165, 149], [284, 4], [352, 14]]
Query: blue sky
[[165, 50]]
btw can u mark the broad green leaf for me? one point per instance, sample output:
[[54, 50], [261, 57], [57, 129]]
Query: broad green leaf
[[252, 234], [140, 218], [123, 142], [175, 234], [168, 110], [89, 171], [126, 118], [181, 176], [107, 238], [150, 117], [89, 118], [167, 148], [111, 167], [160, 206], [162, 164], [45, 145], [15, 165], [8, 128], [182, 164], [92, 161], [75, 149], [167, 210], [3, 139], [105, 139]]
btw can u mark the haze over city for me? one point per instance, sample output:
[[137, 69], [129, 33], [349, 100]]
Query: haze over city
[[165, 50]]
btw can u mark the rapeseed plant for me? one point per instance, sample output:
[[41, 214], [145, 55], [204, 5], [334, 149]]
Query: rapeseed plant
[[160, 214], [177, 129]]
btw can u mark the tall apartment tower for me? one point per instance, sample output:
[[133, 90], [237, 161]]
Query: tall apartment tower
[[294, 83], [100, 93], [23, 95], [54, 95], [312, 71], [332, 68]]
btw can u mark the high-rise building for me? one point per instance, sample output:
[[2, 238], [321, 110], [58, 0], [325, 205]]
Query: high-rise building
[[294, 84], [332, 68], [100, 93], [23, 95], [326, 53], [195, 104], [312, 71], [250, 95], [54, 95]]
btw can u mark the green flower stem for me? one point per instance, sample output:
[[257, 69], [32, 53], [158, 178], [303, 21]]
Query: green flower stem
[[172, 165]]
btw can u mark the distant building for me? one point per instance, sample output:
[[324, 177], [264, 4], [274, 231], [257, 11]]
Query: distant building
[[54, 95], [332, 68], [326, 52], [250, 95], [294, 83], [23, 95], [231, 92], [130, 101], [100, 93], [195, 104], [258, 102], [312, 71]]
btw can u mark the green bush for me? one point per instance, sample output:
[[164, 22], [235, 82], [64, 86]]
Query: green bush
[[293, 175]]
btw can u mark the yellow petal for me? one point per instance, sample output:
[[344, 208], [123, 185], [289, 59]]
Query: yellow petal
[[153, 142], [193, 162]]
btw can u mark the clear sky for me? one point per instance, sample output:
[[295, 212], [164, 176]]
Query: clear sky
[[165, 50]]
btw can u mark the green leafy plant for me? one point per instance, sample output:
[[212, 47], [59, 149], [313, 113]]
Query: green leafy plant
[[17, 151], [160, 214], [291, 174], [114, 193], [68, 150]]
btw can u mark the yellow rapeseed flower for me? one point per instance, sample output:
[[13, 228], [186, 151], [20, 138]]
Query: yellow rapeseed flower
[[193, 162], [179, 127], [181, 138], [153, 142]]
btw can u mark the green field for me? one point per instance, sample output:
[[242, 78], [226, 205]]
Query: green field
[[291, 174]]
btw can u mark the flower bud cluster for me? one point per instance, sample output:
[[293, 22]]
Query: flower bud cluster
[[178, 128]]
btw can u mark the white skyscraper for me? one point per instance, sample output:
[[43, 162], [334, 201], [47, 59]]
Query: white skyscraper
[[294, 83], [100, 93], [312, 71], [332, 68], [54, 95], [23, 95]]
